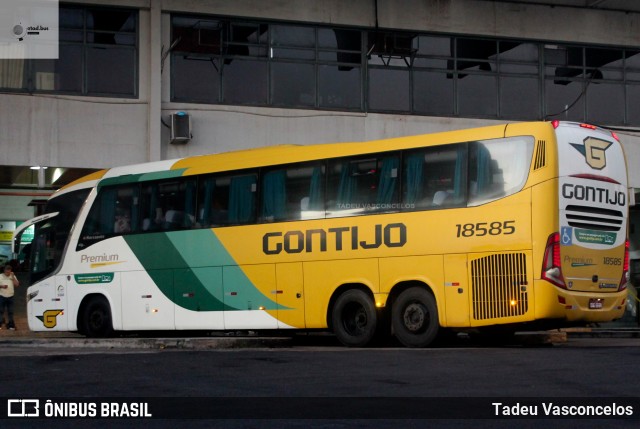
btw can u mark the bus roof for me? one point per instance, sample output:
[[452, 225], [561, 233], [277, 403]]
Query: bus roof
[[280, 154], [274, 155]]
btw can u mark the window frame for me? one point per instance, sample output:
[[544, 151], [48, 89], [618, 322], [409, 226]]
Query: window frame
[[507, 76]]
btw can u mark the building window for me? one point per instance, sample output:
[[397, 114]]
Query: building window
[[433, 89], [605, 93], [519, 83], [476, 77], [585, 84], [339, 68], [228, 61], [632, 87], [389, 57], [98, 55], [564, 82]]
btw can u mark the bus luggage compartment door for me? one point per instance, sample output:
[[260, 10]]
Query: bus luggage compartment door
[[47, 308], [456, 290]]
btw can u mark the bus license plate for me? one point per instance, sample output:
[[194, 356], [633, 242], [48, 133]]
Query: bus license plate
[[595, 303]]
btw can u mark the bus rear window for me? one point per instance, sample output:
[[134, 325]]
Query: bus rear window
[[498, 168]]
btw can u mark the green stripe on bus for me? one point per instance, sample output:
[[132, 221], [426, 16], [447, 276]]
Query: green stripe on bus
[[142, 177], [198, 284]]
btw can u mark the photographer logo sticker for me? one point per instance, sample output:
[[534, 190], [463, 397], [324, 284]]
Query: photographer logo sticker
[[29, 29]]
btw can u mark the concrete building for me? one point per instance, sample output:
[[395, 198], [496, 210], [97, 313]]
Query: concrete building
[[263, 72]]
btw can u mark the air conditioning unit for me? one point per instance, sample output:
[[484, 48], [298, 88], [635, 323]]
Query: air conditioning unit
[[180, 128]]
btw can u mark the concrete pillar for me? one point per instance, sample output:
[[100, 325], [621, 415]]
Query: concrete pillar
[[155, 81]]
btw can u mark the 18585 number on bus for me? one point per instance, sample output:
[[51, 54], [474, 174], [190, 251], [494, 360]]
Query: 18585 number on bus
[[481, 229]]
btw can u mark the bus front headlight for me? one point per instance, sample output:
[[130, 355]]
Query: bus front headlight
[[32, 295]]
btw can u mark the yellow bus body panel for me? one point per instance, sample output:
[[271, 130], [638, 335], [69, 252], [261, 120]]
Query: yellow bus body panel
[[379, 269]]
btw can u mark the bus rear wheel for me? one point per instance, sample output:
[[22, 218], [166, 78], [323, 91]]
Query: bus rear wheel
[[96, 318], [354, 318], [414, 317]]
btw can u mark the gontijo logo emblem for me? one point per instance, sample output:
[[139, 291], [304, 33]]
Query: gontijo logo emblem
[[50, 318], [593, 151]]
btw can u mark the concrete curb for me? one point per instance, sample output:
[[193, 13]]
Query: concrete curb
[[150, 343], [27, 339], [540, 338], [603, 332]]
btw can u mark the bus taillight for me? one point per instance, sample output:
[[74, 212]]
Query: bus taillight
[[589, 126], [625, 267], [551, 268], [615, 136]]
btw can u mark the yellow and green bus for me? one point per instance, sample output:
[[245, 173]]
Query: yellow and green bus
[[512, 225]]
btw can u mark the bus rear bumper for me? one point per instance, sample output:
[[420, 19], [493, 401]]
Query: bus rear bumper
[[573, 306]]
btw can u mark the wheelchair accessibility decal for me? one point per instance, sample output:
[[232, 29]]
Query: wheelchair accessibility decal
[[566, 236]]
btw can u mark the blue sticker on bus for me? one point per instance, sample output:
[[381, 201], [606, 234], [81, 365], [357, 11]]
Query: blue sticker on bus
[[566, 236]]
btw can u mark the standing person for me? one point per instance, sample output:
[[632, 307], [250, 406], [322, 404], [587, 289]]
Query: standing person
[[8, 283]]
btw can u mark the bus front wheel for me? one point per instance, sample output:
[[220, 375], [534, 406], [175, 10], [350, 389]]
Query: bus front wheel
[[96, 318], [354, 318], [414, 317]]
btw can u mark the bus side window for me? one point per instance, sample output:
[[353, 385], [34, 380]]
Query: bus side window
[[388, 181], [242, 199], [122, 221], [115, 211], [310, 193], [150, 211], [168, 205], [274, 196], [435, 177], [341, 189], [218, 212], [365, 185], [293, 193], [226, 200], [207, 190]]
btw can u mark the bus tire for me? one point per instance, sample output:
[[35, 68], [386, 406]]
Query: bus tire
[[354, 318], [96, 318], [414, 317]]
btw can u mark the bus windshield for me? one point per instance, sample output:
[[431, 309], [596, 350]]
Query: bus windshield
[[51, 234]]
